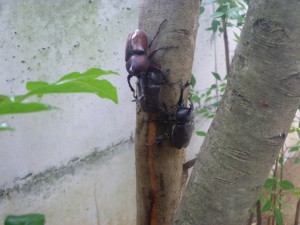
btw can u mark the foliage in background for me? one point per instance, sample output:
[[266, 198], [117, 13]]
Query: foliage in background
[[74, 82], [207, 101], [232, 11], [29, 219], [275, 187]]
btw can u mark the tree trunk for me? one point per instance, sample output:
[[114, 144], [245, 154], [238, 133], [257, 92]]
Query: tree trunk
[[252, 121], [159, 168]]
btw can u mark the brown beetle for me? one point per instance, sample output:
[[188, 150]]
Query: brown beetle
[[138, 55]]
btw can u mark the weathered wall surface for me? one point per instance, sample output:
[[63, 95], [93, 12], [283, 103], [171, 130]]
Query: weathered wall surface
[[76, 164]]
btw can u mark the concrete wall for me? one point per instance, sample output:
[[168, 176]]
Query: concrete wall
[[76, 165]]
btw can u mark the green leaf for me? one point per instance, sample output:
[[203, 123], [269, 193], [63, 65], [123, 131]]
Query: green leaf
[[18, 107], [261, 198], [216, 75], [4, 99], [201, 133], [92, 73], [214, 25], [208, 93], [278, 216], [102, 88], [75, 83], [5, 127], [294, 129], [269, 183], [286, 185], [281, 202], [31, 85], [203, 110], [29, 219], [202, 9], [236, 37], [281, 160], [223, 8], [213, 86], [195, 98], [294, 149], [297, 160], [193, 81], [217, 104], [235, 9], [210, 116], [208, 99], [235, 16], [223, 89], [267, 206]]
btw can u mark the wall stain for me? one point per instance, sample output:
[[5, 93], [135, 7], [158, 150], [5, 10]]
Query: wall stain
[[33, 182]]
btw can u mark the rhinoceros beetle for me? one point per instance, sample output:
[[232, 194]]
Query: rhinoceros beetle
[[150, 90], [138, 55], [184, 122]]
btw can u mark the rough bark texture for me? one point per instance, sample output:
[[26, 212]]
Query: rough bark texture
[[159, 168], [250, 126]]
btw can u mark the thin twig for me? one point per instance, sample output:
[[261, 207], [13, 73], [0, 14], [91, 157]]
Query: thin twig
[[226, 45], [273, 197], [258, 212], [297, 213], [281, 175]]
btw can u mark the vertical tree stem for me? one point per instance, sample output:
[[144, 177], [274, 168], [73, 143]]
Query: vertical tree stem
[[159, 167], [258, 212], [297, 213], [226, 45]]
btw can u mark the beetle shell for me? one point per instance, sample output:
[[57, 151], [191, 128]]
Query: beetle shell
[[184, 118], [150, 90], [182, 134], [137, 44], [184, 115], [137, 64]]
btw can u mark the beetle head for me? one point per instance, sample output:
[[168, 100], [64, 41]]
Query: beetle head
[[137, 44]]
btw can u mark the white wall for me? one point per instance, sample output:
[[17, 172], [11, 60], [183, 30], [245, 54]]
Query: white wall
[[76, 164], [53, 38]]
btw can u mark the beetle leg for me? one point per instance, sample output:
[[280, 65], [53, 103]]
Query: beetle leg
[[159, 49], [180, 103], [191, 104], [141, 91], [157, 32], [130, 86], [189, 164], [158, 140]]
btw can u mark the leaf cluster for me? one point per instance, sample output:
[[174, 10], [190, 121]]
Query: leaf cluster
[[74, 82], [28, 219], [207, 102], [229, 13], [272, 199]]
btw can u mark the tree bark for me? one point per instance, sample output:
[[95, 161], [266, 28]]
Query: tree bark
[[252, 121], [159, 168]]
